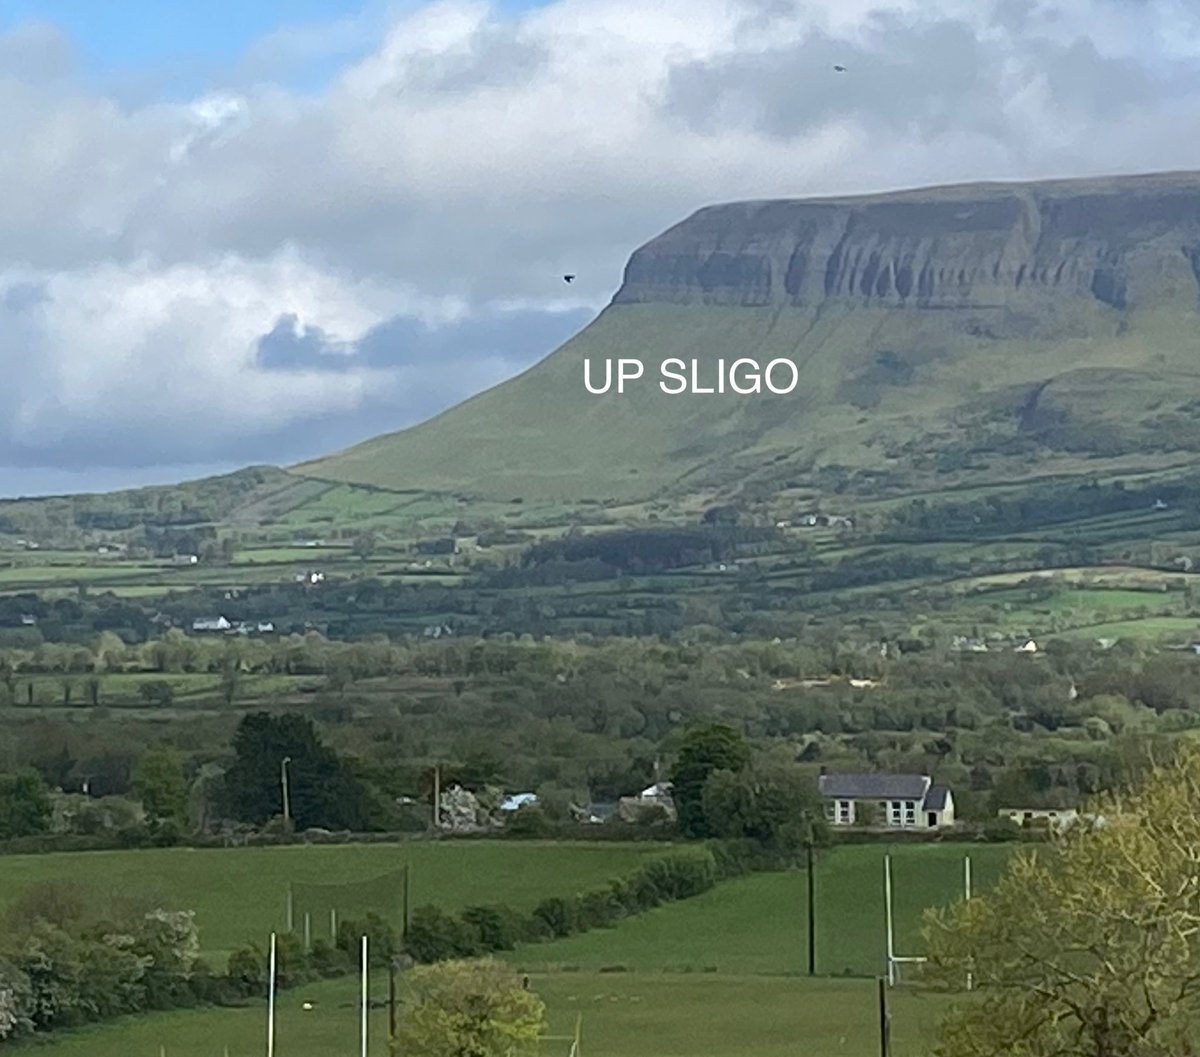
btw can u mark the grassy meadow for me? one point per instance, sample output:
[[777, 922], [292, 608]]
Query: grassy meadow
[[759, 924], [721, 974], [620, 1015], [239, 895]]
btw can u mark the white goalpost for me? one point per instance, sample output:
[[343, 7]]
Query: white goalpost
[[364, 996], [271, 1001], [895, 960]]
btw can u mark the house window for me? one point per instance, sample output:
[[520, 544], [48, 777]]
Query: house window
[[895, 813], [910, 813], [845, 812]]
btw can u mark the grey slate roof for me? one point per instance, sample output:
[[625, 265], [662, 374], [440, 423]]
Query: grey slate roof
[[873, 786], [935, 799]]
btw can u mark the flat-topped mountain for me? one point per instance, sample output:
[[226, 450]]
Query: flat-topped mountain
[[943, 337], [972, 246]]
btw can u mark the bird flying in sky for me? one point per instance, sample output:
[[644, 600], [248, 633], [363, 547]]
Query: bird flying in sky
[[568, 278], [840, 69]]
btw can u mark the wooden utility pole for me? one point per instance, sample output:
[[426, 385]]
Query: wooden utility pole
[[812, 905], [885, 1020], [404, 909], [392, 1000]]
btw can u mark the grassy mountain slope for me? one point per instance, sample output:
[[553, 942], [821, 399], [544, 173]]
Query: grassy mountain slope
[[944, 337]]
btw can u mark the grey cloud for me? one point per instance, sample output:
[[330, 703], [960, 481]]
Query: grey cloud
[[497, 56], [419, 371], [924, 77], [517, 337], [20, 297]]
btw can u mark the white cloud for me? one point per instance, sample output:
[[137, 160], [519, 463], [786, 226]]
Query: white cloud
[[473, 157], [135, 348]]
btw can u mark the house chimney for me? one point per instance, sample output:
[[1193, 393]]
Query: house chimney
[[822, 771]]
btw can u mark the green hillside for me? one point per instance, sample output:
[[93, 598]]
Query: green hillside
[[943, 337]]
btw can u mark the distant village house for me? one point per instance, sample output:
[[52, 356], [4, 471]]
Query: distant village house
[[895, 801]]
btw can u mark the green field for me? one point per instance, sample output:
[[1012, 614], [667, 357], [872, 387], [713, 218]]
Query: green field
[[720, 975], [758, 924], [240, 894], [623, 1015]]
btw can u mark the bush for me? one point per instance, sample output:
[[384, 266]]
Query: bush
[[210, 988], [247, 972], [675, 877], [500, 928], [434, 936], [998, 830], [382, 944], [558, 916], [599, 908], [529, 821], [329, 961]]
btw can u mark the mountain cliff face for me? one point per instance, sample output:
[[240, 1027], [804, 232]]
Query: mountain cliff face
[[943, 338], [982, 246]]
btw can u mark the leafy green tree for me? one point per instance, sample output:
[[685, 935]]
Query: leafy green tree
[[1090, 948], [322, 789], [705, 749], [774, 806], [363, 546], [158, 782], [469, 1009], [157, 692], [24, 805]]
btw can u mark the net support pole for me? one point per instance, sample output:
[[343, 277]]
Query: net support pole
[[290, 909], [333, 925], [967, 898], [307, 931]]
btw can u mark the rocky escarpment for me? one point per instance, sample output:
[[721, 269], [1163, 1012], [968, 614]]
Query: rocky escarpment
[[1119, 242]]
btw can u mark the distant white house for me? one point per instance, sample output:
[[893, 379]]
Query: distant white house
[[1029, 646], [897, 801], [184, 559], [211, 624]]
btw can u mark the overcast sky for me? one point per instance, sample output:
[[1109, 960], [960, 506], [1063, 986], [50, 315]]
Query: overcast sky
[[231, 237]]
